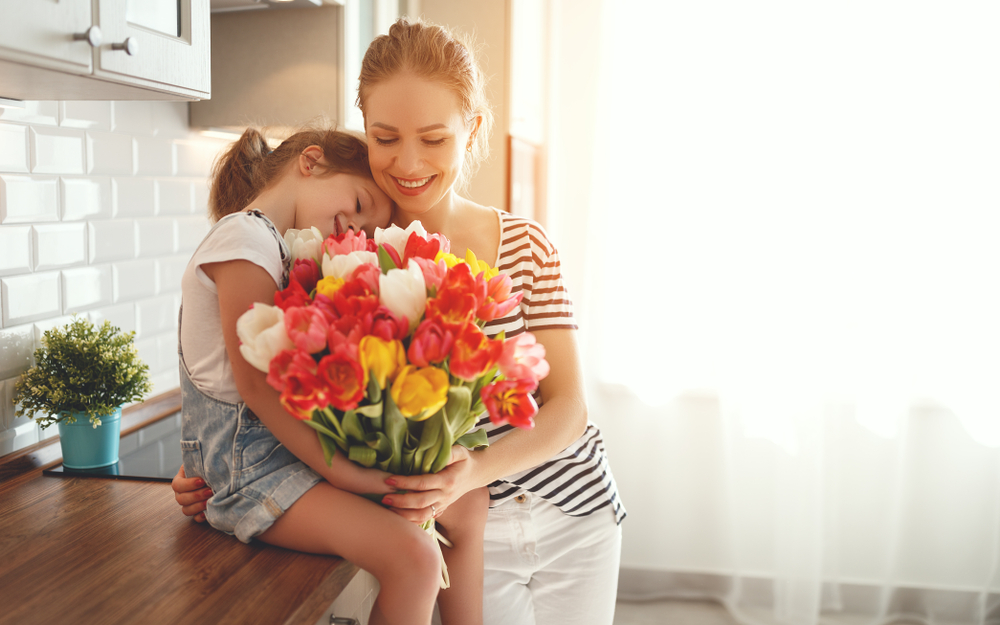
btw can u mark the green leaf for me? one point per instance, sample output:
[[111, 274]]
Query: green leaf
[[385, 261], [474, 440], [353, 427], [394, 425], [362, 454]]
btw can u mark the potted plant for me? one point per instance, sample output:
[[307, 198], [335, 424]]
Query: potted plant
[[81, 378]]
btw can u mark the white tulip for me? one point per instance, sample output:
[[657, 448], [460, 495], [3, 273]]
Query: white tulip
[[304, 243], [397, 237], [262, 335], [404, 292], [343, 265]]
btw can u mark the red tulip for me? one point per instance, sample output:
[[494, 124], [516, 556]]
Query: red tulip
[[344, 378], [431, 343], [510, 401], [473, 354], [306, 272], [293, 296]]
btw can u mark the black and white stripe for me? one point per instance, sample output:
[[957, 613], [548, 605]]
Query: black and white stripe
[[578, 480]]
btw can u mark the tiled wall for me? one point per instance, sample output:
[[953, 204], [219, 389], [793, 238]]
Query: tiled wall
[[101, 205]]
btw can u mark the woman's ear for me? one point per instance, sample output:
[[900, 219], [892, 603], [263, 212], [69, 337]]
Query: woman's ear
[[309, 158]]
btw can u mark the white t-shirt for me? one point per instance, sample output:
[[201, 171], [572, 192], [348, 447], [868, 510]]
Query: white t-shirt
[[240, 236]]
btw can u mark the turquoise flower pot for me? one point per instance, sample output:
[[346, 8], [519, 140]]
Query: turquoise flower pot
[[87, 447]]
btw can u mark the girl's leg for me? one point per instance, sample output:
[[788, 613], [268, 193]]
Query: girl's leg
[[398, 553], [463, 523]]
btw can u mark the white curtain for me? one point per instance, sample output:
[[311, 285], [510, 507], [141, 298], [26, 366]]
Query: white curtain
[[786, 260]]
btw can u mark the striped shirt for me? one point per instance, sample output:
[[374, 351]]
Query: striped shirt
[[577, 480]]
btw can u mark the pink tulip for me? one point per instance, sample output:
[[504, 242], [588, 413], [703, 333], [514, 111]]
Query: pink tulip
[[523, 357], [431, 344], [510, 401], [307, 327]]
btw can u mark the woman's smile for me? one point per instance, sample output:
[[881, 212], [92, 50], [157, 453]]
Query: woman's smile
[[413, 186]]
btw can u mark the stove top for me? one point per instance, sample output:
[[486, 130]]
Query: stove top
[[152, 453]]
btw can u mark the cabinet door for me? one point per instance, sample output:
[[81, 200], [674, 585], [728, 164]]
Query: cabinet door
[[169, 40], [40, 33]]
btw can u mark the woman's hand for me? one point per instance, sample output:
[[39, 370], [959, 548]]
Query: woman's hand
[[433, 489], [191, 494]]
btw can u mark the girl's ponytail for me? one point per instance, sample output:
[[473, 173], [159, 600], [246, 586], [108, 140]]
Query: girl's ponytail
[[236, 179]]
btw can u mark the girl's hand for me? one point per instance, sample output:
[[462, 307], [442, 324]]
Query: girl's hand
[[438, 489], [191, 494]]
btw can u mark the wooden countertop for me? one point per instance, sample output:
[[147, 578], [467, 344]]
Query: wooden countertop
[[108, 551]]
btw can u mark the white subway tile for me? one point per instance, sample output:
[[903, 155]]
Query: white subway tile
[[17, 344], [44, 325], [190, 232], [30, 297], [17, 438], [57, 151], [169, 272], [134, 197], [60, 245], [134, 280], [111, 240], [15, 250], [163, 382], [195, 158], [122, 316], [26, 199], [148, 351], [34, 112], [134, 117], [201, 193], [166, 344], [84, 198], [155, 315], [154, 156], [170, 119], [86, 288], [88, 114], [173, 197], [7, 403], [155, 237], [109, 153], [14, 148], [50, 432]]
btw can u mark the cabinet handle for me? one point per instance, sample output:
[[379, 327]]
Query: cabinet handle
[[130, 46], [340, 620], [92, 36]]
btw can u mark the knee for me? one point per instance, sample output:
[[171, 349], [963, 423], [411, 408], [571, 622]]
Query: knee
[[416, 557]]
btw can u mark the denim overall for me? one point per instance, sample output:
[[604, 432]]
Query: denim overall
[[254, 477]]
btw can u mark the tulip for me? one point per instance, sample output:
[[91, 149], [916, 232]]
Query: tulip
[[431, 343], [510, 401], [404, 293], [523, 357], [421, 247], [328, 286], [342, 266], [344, 378], [303, 391], [345, 243], [387, 325], [304, 243], [306, 272], [293, 296], [473, 354], [381, 359], [498, 300], [307, 327], [458, 298], [262, 334], [434, 272], [419, 392], [480, 266], [396, 236]]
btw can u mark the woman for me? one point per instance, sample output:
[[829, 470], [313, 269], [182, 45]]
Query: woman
[[552, 540]]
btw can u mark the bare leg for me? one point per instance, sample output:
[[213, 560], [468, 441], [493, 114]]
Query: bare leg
[[398, 553], [463, 524]]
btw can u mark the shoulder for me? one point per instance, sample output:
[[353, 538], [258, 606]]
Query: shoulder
[[522, 233]]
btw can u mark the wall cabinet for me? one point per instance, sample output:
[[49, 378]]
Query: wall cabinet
[[105, 50]]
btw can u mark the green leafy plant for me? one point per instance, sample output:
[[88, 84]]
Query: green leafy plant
[[82, 368]]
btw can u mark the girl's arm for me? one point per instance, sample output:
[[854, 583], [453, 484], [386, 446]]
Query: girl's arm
[[240, 284], [560, 421]]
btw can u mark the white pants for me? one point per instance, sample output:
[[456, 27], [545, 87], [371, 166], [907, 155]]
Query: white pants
[[544, 567]]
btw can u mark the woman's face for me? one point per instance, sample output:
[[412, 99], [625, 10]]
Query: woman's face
[[417, 139], [335, 203]]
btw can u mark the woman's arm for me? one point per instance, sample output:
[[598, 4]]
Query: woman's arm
[[560, 421], [240, 284]]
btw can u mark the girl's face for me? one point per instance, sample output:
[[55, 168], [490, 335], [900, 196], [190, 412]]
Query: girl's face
[[417, 139], [335, 203]]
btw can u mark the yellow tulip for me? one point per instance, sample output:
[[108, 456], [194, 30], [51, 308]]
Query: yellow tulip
[[329, 285], [449, 259], [420, 392], [381, 358], [480, 266]]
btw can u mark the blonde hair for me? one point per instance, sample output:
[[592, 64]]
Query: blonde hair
[[435, 53], [249, 165]]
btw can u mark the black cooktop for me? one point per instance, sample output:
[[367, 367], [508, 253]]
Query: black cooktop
[[152, 453]]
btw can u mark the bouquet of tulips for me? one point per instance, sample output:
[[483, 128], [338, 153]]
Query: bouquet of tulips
[[378, 345]]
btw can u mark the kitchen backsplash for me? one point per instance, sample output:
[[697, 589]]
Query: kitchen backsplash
[[101, 205]]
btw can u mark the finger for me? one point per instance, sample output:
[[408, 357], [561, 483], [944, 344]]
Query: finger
[[195, 509], [199, 518], [193, 497], [413, 500], [427, 481]]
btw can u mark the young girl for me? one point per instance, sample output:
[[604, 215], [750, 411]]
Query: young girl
[[267, 469], [553, 540]]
